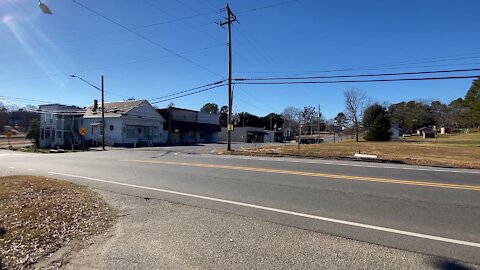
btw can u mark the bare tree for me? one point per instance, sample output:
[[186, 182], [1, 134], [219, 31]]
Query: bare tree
[[292, 116], [308, 116], [355, 102]]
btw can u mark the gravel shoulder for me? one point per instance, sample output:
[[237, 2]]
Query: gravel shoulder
[[155, 234]]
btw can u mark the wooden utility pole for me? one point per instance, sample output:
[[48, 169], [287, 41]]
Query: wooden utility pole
[[318, 122], [230, 18], [103, 116]]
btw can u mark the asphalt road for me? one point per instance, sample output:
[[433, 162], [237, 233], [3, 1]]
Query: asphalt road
[[427, 210]]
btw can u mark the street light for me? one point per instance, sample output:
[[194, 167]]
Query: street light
[[44, 8], [103, 104]]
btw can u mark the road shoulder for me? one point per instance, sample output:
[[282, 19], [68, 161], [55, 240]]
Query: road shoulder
[[155, 234]]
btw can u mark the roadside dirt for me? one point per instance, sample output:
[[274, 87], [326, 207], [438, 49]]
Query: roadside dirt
[[40, 216]]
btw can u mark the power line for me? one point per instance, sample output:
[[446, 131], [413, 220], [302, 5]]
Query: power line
[[358, 75], [254, 98], [139, 27], [189, 94], [362, 81], [148, 59], [453, 57], [136, 39], [111, 66], [146, 38], [267, 6], [250, 104], [188, 90], [25, 99]]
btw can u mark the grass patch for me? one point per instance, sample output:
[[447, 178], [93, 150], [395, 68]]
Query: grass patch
[[39, 215], [460, 151]]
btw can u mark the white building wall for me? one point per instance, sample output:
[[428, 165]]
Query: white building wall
[[116, 130], [183, 115], [208, 118], [240, 134], [144, 123]]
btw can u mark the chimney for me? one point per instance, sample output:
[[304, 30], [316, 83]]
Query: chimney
[[95, 105]]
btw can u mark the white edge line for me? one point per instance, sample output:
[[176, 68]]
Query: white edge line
[[338, 221]]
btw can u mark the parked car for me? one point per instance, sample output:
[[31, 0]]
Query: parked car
[[310, 140]]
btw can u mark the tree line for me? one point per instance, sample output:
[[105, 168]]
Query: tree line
[[376, 119], [363, 116]]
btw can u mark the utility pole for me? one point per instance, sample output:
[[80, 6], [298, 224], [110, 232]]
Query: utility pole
[[318, 122], [230, 18], [300, 133], [103, 116]]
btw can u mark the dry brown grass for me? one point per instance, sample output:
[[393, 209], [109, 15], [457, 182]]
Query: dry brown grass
[[14, 143], [461, 151], [38, 215]]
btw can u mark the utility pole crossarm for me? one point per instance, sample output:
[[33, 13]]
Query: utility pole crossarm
[[230, 17]]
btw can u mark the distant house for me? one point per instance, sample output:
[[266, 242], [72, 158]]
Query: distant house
[[422, 130], [59, 125], [184, 126], [395, 131], [127, 123], [426, 132]]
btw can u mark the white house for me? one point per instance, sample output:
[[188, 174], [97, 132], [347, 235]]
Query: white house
[[59, 125], [127, 123]]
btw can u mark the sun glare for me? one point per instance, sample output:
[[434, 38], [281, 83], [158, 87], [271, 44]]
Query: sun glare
[[7, 19]]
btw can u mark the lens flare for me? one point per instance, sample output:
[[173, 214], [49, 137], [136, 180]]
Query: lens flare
[[7, 19]]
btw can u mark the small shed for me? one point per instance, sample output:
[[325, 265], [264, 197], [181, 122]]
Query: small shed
[[445, 130]]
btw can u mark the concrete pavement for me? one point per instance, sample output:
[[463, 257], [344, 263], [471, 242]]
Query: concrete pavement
[[428, 210]]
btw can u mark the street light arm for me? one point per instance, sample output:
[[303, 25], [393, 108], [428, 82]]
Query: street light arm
[[87, 82]]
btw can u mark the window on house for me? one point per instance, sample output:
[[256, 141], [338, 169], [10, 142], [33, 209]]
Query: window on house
[[131, 132]]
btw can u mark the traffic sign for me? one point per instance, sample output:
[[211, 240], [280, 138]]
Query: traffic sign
[[9, 133], [230, 127], [83, 131]]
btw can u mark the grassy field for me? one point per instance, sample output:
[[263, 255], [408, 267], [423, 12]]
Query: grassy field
[[39, 215], [458, 150]]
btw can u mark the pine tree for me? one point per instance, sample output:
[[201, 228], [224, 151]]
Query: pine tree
[[377, 123]]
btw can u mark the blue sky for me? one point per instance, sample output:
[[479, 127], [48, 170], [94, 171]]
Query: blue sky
[[38, 51]]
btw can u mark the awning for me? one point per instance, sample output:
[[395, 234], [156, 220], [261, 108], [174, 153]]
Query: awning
[[183, 126], [257, 133], [208, 128]]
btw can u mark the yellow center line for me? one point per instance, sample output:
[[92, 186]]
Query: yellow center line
[[312, 174]]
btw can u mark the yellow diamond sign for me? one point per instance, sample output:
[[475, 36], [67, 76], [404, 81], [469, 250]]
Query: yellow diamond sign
[[83, 131]]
